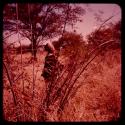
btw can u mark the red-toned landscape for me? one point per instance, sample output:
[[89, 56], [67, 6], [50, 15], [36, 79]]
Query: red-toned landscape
[[87, 89]]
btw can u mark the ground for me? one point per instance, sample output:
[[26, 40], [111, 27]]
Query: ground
[[98, 99]]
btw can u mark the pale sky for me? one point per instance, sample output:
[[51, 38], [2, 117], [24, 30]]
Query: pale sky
[[89, 23]]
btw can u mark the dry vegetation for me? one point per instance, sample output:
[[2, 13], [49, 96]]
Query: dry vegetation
[[83, 84], [23, 89], [98, 97]]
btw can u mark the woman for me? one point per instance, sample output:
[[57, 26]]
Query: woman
[[50, 71]]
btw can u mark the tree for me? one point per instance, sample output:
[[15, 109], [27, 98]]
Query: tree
[[72, 43], [107, 33], [43, 21]]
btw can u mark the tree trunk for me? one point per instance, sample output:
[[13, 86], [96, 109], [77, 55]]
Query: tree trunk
[[34, 50], [34, 47]]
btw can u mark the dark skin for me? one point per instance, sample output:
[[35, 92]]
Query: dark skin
[[52, 65], [50, 62]]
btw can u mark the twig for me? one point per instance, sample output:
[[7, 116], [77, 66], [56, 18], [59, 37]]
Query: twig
[[18, 77], [106, 21], [11, 83]]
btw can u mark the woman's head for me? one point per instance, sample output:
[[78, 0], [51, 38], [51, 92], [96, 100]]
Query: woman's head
[[49, 48]]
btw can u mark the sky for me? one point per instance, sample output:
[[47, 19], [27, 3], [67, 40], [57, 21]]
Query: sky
[[89, 22]]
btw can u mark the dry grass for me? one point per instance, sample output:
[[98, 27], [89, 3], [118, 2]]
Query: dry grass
[[98, 99], [24, 97]]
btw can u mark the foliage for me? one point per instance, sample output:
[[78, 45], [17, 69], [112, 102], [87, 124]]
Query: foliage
[[72, 43], [48, 102], [47, 20], [111, 32]]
